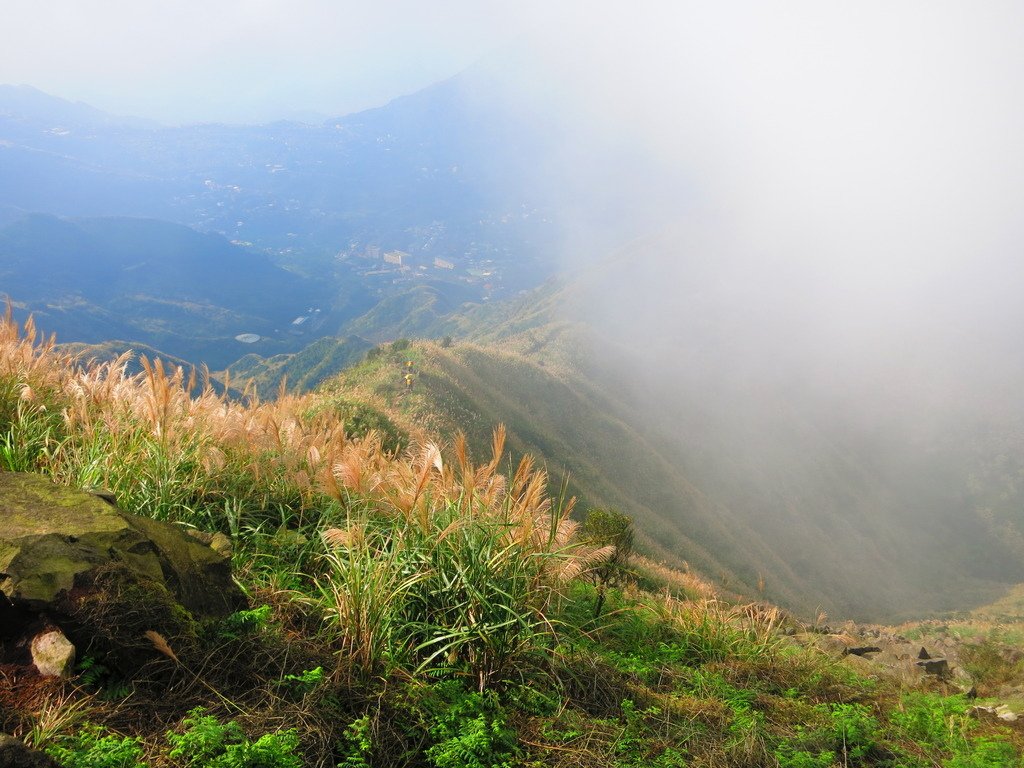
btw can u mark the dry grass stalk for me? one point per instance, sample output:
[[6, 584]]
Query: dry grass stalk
[[160, 645]]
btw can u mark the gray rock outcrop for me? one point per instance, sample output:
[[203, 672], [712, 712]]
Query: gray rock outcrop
[[51, 536]]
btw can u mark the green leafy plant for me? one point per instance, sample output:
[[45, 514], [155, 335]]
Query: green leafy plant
[[940, 721], [468, 729], [608, 528], [357, 744], [986, 753], [305, 682], [853, 732], [91, 672], [92, 747], [205, 741], [246, 622], [791, 757]]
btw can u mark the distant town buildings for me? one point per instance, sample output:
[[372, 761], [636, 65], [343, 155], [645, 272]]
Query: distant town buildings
[[470, 266]]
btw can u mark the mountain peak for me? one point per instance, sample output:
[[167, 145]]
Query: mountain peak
[[27, 102]]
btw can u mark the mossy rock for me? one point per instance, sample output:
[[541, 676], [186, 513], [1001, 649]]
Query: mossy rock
[[52, 538]]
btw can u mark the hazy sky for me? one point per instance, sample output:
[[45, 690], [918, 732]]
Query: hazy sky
[[243, 60]]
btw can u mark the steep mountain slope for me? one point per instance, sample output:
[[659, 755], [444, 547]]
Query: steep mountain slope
[[300, 371], [406, 607], [754, 480]]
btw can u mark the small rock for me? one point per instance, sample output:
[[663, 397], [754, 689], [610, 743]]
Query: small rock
[[972, 692], [937, 667], [1002, 711], [863, 650], [1005, 713], [221, 544], [924, 654], [53, 654]]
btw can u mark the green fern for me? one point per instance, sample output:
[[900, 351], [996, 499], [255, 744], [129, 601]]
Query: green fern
[[208, 742]]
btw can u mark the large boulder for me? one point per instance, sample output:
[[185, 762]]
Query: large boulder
[[14, 754], [52, 538]]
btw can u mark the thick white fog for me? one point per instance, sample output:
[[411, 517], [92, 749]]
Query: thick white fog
[[847, 176]]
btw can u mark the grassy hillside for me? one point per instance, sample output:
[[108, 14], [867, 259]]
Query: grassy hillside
[[470, 389], [133, 354], [414, 312], [300, 371], [830, 531], [419, 608]]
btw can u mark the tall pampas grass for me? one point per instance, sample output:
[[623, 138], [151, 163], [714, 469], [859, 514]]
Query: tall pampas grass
[[434, 562]]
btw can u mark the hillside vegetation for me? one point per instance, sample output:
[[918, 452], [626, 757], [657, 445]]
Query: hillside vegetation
[[826, 532], [300, 371], [419, 607], [468, 389]]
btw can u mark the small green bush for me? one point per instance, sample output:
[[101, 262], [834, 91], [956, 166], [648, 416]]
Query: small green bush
[[244, 623], [468, 729], [986, 753], [90, 748], [940, 721], [360, 419], [306, 682], [357, 744], [209, 743], [789, 757], [853, 731]]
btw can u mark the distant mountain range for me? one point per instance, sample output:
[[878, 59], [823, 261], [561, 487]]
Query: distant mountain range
[[374, 224], [442, 173]]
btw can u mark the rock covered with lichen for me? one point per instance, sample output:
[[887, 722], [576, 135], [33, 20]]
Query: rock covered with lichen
[[53, 537]]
